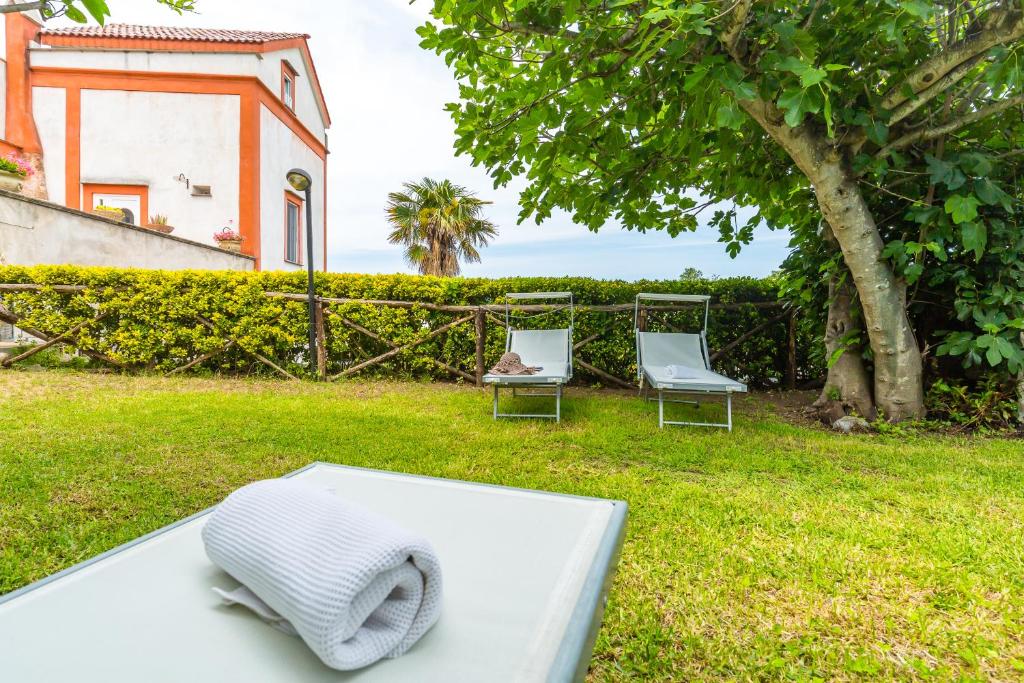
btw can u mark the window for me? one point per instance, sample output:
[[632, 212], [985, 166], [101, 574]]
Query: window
[[292, 229], [288, 85], [133, 200]]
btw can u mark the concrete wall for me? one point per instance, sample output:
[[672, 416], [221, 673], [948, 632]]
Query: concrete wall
[[149, 138], [281, 151], [33, 232]]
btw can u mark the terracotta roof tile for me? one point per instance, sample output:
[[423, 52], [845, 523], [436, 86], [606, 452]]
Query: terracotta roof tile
[[206, 35]]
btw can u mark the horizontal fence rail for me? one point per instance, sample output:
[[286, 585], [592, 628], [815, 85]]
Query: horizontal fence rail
[[115, 326]]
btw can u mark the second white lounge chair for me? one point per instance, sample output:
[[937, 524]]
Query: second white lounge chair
[[658, 353]]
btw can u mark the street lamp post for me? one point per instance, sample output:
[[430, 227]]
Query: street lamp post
[[302, 182]]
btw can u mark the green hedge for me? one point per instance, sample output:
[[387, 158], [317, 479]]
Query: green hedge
[[152, 323]]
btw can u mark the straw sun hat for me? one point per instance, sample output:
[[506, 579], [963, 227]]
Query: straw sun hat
[[512, 364]]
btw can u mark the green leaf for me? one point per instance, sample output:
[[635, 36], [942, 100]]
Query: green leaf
[[918, 8], [877, 132], [962, 209], [974, 237], [729, 115], [98, 9], [75, 14], [990, 193], [796, 103]]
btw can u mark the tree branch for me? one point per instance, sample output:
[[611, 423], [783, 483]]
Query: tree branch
[[22, 7], [954, 125], [1001, 27], [940, 86], [731, 35]]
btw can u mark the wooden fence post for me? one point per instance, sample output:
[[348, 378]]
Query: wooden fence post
[[321, 342], [480, 325], [791, 352]]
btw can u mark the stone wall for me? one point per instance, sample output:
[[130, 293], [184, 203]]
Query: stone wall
[[35, 232]]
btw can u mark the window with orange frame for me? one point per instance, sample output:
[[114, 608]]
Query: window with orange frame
[[292, 229]]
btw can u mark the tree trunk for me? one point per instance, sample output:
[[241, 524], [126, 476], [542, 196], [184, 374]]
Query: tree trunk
[[847, 388], [899, 391]]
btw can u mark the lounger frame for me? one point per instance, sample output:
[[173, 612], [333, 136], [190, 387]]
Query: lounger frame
[[674, 392], [573, 656], [548, 387]]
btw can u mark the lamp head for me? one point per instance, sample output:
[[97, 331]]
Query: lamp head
[[299, 179]]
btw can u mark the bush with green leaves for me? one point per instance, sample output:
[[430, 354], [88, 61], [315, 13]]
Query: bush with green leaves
[[153, 320]]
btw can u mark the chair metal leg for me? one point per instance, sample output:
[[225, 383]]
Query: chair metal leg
[[728, 409], [661, 410], [558, 403], [495, 401]]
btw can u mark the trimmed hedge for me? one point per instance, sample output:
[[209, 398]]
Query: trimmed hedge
[[152, 319]]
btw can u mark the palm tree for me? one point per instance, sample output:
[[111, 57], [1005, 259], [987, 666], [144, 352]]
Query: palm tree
[[439, 223]]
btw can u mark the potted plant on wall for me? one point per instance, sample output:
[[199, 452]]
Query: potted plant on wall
[[158, 223], [111, 212], [13, 171], [229, 240]]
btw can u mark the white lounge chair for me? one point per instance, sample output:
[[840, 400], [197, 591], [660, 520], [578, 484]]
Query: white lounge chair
[[657, 351], [525, 578], [550, 350]]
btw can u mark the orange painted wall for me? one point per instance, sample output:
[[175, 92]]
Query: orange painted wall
[[20, 125]]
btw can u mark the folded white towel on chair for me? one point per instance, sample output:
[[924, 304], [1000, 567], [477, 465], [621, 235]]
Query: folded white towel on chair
[[683, 372], [353, 585]]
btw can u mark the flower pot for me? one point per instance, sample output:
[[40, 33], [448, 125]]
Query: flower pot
[[231, 245], [11, 181], [159, 227], [117, 215]]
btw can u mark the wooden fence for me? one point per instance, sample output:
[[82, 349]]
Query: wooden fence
[[480, 317]]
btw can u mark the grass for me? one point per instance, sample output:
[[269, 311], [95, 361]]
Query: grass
[[779, 551]]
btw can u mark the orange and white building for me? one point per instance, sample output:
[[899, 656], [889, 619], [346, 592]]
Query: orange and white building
[[199, 125]]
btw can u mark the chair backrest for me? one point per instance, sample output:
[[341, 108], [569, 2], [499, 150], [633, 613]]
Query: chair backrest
[[540, 346], [671, 348]]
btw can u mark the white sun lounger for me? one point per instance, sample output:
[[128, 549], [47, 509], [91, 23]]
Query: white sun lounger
[[656, 351], [550, 350], [525, 578]]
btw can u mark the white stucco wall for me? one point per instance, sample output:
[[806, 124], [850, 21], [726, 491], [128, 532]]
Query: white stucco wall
[[225, 63], [49, 107], [266, 67], [305, 100], [142, 138], [41, 233], [281, 151]]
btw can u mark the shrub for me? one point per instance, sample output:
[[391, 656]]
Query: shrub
[[153, 319], [991, 404]]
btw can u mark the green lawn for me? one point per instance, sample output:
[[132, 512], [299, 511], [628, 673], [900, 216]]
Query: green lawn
[[775, 552]]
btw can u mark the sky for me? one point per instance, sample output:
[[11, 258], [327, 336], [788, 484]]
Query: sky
[[386, 96]]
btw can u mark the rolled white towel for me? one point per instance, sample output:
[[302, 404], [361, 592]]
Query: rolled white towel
[[353, 585], [683, 372]]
